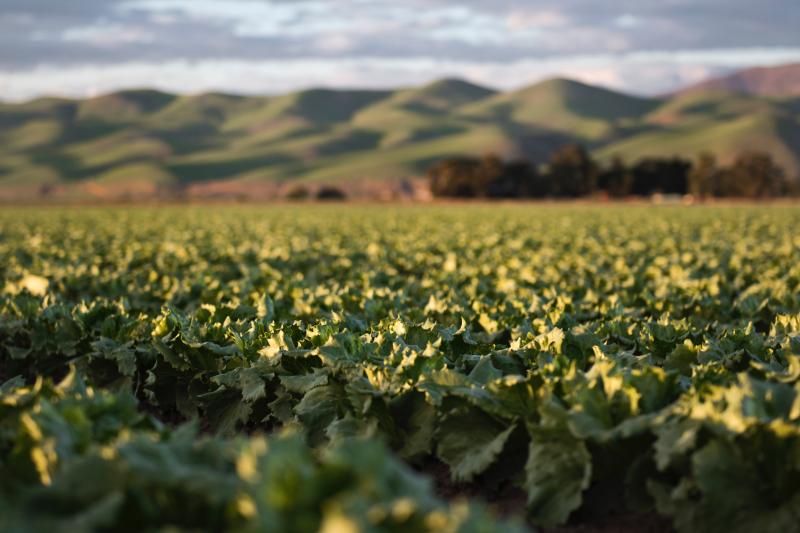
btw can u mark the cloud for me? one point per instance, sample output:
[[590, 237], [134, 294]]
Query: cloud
[[649, 72], [521, 18], [372, 37], [106, 35], [627, 21]]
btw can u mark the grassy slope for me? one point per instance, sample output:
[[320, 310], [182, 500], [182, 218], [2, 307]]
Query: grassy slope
[[581, 111], [722, 123], [334, 135]]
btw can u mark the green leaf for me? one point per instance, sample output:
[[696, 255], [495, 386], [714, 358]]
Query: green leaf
[[121, 354], [305, 382], [484, 371], [319, 408], [469, 441], [225, 410], [558, 470], [253, 386], [416, 419], [675, 439], [729, 492]]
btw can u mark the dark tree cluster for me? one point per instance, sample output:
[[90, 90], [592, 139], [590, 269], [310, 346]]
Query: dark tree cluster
[[752, 175], [487, 177], [327, 193], [571, 173]]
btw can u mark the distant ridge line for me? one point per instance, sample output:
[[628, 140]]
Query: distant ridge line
[[147, 139]]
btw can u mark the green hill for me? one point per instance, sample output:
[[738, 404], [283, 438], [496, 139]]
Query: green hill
[[719, 122], [124, 106], [581, 111], [158, 139]]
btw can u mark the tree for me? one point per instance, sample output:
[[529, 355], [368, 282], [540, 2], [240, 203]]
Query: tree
[[518, 179], [754, 174], [572, 172], [459, 177], [660, 175], [616, 179], [488, 177], [703, 176], [298, 192], [331, 193]]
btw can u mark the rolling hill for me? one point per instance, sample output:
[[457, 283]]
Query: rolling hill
[[573, 109], [145, 140], [723, 123]]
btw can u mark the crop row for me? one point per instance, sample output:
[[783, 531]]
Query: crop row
[[601, 361]]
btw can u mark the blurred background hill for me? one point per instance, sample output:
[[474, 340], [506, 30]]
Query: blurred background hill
[[145, 142]]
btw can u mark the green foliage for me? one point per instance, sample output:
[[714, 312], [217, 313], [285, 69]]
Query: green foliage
[[486, 177], [331, 193], [572, 172], [559, 469], [754, 174], [78, 460], [243, 369]]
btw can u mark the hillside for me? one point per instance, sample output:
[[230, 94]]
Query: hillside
[[574, 109], [778, 81], [144, 140], [718, 122]]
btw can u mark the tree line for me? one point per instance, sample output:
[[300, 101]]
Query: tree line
[[571, 172]]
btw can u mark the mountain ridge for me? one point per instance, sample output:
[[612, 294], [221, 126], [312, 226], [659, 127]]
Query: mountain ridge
[[331, 135], [779, 81]]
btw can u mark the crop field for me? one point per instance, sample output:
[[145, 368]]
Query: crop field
[[389, 368]]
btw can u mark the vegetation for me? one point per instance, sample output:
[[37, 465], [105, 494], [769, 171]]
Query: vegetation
[[251, 369], [754, 175], [572, 173], [298, 192], [329, 192], [483, 178], [163, 141]]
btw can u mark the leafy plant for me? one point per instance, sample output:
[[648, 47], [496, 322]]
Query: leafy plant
[[246, 370]]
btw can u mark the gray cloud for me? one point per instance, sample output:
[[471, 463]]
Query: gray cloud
[[56, 35]]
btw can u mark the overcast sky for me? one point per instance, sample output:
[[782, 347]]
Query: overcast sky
[[86, 47]]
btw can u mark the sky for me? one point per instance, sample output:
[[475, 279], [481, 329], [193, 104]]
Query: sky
[[82, 48]]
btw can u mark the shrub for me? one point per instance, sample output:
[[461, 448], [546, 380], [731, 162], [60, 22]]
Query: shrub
[[298, 192], [331, 193]]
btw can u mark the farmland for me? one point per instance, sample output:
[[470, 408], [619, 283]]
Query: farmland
[[461, 368]]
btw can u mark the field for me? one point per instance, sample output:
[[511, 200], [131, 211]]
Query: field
[[374, 368]]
